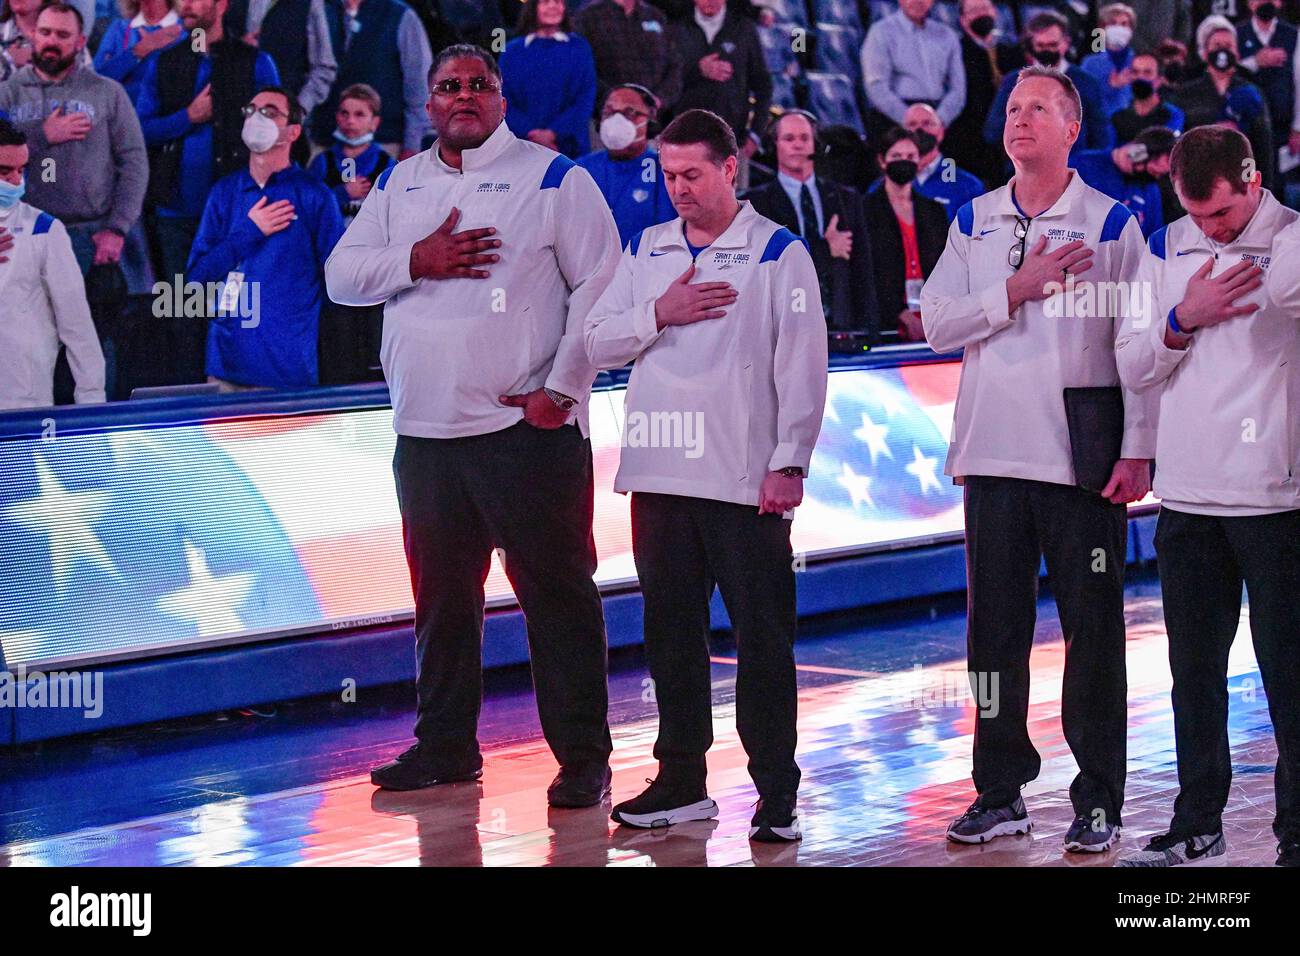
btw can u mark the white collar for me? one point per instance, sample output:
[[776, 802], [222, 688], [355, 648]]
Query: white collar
[[791, 184], [169, 18], [500, 139], [710, 23], [557, 35], [1264, 31], [925, 172]]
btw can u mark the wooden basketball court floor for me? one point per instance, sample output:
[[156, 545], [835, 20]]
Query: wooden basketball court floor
[[884, 744]]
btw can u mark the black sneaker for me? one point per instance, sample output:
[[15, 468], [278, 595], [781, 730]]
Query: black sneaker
[[663, 804], [1085, 837], [1171, 849], [1288, 853], [580, 786], [979, 824], [416, 769], [776, 820]]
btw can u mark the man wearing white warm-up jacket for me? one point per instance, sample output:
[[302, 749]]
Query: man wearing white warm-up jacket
[[721, 311], [487, 252], [1003, 290], [1220, 345]]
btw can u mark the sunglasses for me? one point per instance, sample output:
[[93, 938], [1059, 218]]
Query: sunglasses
[[478, 86]]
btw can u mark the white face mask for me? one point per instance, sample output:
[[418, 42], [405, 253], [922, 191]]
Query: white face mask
[[1118, 36], [260, 133], [617, 132]]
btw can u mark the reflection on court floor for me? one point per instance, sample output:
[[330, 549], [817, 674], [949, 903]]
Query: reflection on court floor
[[885, 738]]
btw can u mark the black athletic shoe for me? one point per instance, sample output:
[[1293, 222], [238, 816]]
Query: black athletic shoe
[[580, 786], [776, 820], [663, 804], [1172, 849], [1084, 837], [1288, 853], [416, 769], [979, 824]]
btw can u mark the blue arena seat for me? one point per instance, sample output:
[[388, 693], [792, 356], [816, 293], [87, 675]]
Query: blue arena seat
[[777, 49], [840, 12], [790, 11], [839, 50], [783, 91], [882, 8], [831, 97]]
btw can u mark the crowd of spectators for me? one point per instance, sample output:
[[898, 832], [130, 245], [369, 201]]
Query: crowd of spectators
[[227, 143]]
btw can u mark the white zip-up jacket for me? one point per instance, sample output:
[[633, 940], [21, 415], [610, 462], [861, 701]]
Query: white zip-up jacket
[[44, 303], [712, 407], [452, 346], [1230, 402], [1010, 418]]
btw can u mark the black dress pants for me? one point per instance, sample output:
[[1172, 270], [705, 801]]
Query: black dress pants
[[683, 547], [528, 491], [1203, 563], [1011, 524]]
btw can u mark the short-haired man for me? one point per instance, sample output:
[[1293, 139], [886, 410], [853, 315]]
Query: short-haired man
[[1008, 252], [721, 313], [1147, 109], [1220, 345], [45, 295], [827, 215], [488, 251], [265, 234], [910, 57]]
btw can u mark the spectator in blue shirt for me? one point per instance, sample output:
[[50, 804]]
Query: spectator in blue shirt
[[266, 233], [189, 102], [938, 177], [1133, 174], [1111, 67], [132, 39], [548, 77], [351, 166], [350, 336], [627, 169]]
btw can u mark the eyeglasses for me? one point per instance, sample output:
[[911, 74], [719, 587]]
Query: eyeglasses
[[478, 86], [1016, 255], [269, 111], [632, 114]]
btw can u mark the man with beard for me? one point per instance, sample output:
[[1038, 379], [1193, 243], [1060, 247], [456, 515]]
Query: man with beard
[[82, 129], [489, 383]]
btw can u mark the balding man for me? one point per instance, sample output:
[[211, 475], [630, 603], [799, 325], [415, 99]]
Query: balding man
[[938, 177]]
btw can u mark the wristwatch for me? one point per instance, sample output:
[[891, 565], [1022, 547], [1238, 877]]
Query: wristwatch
[[563, 401], [794, 471]]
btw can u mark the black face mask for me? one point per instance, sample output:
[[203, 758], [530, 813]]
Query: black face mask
[[1142, 89], [1174, 71], [982, 26], [1267, 12], [1046, 57], [1223, 60], [900, 171], [925, 142]]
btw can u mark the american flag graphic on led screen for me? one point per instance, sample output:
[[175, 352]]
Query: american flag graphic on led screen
[[137, 540]]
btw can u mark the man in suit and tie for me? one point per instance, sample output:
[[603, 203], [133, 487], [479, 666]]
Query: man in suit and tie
[[829, 217]]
